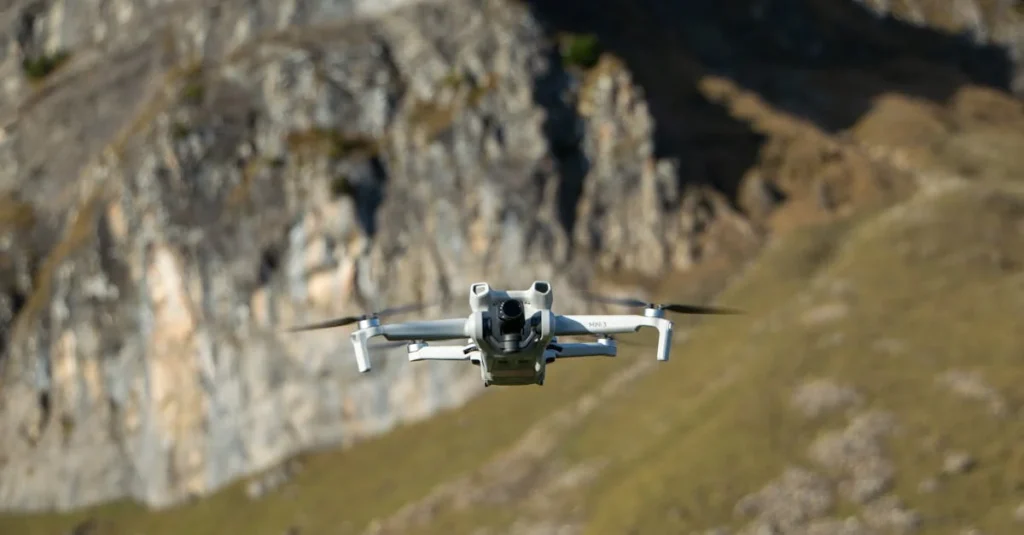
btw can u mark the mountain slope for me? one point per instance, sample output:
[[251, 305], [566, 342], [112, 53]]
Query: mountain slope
[[329, 169]]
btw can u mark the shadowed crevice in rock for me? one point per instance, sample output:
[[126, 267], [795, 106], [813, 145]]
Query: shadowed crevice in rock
[[270, 261], [11, 304], [709, 146], [45, 401], [821, 60], [368, 182], [25, 31], [106, 244], [563, 131]]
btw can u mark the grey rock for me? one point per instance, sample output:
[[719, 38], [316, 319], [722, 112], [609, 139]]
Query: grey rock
[[957, 462], [796, 497], [760, 528], [972, 386], [928, 485], [834, 526], [826, 313], [856, 455], [523, 527], [867, 487], [760, 196], [255, 489], [820, 396], [889, 514]]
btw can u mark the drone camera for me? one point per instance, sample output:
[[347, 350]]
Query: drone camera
[[511, 315], [511, 320]]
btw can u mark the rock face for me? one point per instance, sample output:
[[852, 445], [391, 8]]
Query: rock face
[[196, 175], [315, 172]]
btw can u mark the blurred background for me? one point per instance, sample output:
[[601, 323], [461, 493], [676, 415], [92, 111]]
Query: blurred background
[[180, 180]]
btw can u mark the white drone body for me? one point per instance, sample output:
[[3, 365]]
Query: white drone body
[[512, 335]]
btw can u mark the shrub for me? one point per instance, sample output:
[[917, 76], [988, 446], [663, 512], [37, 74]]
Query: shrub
[[44, 65], [580, 50]]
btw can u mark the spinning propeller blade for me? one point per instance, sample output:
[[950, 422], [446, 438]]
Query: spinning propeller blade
[[348, 320], [679, 308], [337, 322], [695, 309]]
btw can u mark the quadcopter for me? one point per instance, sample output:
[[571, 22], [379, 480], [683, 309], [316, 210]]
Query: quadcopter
[[512, 334]]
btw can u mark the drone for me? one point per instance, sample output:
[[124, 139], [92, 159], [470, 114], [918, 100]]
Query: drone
[[512, 334]]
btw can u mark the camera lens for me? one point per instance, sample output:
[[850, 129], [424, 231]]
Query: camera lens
[[511, 317], [511, 309]]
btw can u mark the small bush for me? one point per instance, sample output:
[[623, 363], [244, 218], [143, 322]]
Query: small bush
[[192, 93], [334, 144], [580, 50], [15, 214], [180, 130], [341, 187], [193, 90], [43, 66]]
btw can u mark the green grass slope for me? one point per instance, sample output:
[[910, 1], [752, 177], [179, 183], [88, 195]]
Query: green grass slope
[[889, 305]]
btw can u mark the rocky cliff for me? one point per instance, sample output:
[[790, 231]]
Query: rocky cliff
[[182, 179]]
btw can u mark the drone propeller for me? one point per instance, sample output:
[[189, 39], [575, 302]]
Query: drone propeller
[[348, 320], [679, 308]]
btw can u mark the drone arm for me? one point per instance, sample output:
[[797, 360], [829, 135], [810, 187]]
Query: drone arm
[[616, 324], [448, 329], [440, 353], [428, 331], [584, 325]]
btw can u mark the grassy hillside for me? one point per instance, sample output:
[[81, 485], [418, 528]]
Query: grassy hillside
[[879, 348], [888, 306], [900, 329]]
